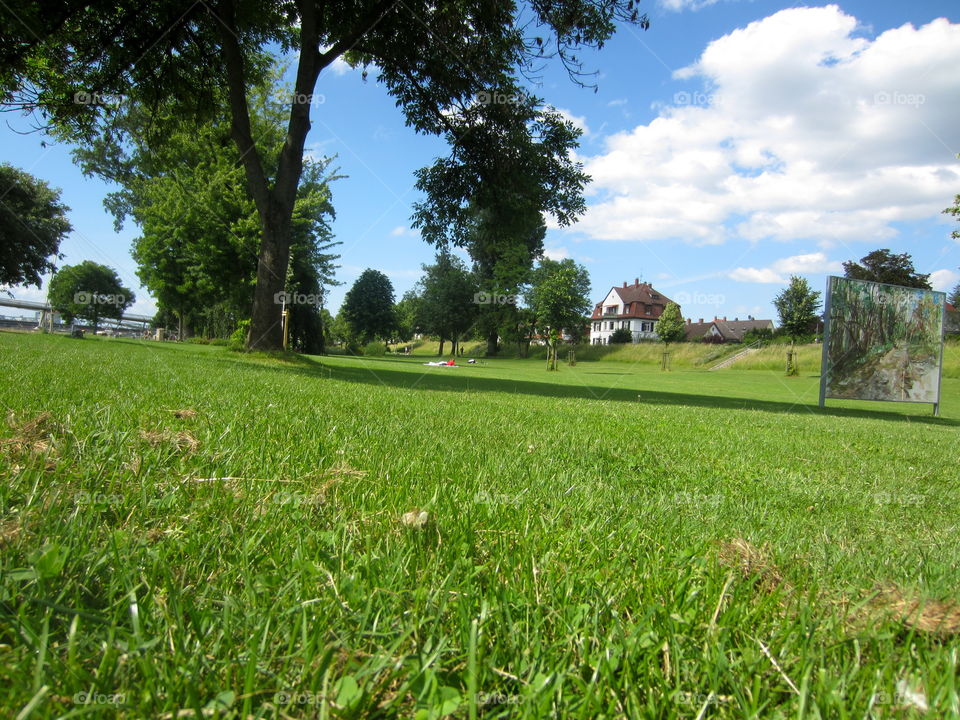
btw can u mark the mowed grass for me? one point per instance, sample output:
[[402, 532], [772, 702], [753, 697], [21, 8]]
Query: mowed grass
[[188, 531]]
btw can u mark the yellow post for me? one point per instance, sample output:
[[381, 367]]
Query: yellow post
[[286, 329]]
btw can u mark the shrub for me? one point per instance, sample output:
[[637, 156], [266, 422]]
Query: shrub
[[621, 336], [374, 348], [239, 338]]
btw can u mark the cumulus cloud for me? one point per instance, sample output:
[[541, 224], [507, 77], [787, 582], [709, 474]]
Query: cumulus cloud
[[579, 121], [780, 270], [556, 253], [944, 280], [803, 130]]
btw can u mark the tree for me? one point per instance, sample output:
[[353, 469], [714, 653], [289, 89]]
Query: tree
[[798, 307], [885, 267], [89, 291], [448, 300], [955, 211], [175, 60], [368, 307], [407, 312], [620, 336], [33, 223], [670, 327], [559, 298], [954, 297]]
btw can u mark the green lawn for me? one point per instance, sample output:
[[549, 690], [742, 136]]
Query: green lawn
[[604, 541]]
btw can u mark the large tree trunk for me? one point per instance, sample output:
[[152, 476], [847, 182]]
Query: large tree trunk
[[492, 342], [441, 346], [275, 203]]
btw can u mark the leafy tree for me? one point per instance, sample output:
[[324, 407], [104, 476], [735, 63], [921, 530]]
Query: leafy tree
[[954, 297], [33, 223], [955, 211], [448, 300], [89, 291], [176, 59], [621, 336], [513, 162], [559, 298], [884, 266], [519, 327], [407, 312], [368, 307], [798, 307], [670, 327]]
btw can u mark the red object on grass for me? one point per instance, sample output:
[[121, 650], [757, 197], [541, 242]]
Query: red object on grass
[[450, 362]]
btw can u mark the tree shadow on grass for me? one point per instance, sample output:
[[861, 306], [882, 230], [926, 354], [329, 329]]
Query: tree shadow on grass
[[447, 380]]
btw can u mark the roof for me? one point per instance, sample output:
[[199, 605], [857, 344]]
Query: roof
[[728, 329], [636, 298]]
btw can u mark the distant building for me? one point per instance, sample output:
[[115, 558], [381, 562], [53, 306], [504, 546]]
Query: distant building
[[635, 307], [722, 330], [951, 320]]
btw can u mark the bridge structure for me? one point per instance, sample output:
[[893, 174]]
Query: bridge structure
[[128, 320]]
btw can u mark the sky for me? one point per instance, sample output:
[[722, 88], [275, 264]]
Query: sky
[[733, 144]]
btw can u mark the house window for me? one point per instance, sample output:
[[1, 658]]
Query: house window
[[649, 310], [596, 327], [625, 323]]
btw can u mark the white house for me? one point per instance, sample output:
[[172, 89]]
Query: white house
[[636, 307]]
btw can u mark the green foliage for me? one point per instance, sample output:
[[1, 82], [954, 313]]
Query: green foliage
[[763, 335], [407, 310], [368, 307], [89, 291], [797, 307], [953, 297], [33, 223], [119, 54], [883, 266], [375, 348], [955, 211], [559, 298], [447, 303], [238, 339], [621, 336], [670, 327]]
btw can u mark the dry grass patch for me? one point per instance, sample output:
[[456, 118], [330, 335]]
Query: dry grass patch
[[929, 616], [751, 561], [30, 437], [182, 441]]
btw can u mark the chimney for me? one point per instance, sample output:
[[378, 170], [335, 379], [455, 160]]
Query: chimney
[[700, 321], [636, 281], [624, 283], [724, 318], [689, 321]]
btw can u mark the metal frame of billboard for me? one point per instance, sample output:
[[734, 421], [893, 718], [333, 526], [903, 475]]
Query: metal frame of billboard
[[826, 344]]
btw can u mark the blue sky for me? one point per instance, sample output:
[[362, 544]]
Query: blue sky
[[731, 145]]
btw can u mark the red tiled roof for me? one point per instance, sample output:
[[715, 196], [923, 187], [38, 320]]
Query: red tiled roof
[[635, 298]]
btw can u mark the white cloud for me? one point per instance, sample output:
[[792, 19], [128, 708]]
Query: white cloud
[[944, 280], [780, 270], [579, 121], [559, 253], [803, 130], [681, 5], [402, 231], [617, 102]]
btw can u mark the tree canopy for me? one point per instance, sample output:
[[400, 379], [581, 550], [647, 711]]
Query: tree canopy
[[670, 327], [448, 299], [559, 298], [884, 266], [368, 307], [89, 291], [33, 223], [77, 63]]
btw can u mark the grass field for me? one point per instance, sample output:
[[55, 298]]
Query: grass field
[[186, 531]]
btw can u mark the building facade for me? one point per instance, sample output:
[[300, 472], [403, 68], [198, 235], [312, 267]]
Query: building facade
[[635, 307]]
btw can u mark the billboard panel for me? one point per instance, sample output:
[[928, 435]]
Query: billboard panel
[[882, 342]]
